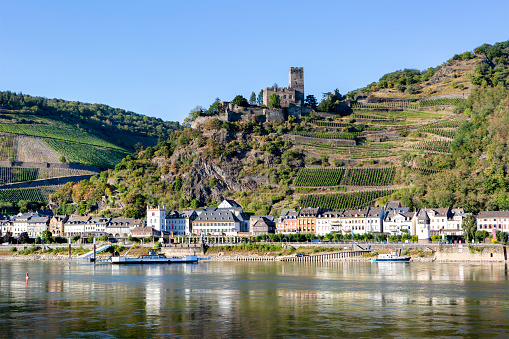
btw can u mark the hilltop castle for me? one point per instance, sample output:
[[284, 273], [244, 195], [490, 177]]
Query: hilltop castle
[[294, 94]]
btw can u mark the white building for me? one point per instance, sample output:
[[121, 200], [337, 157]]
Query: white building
[[422, 226], [75, 225], [493, 220], [217, 221], [156, 217], [328, 222], [37, 225], [179, 222], [374, 220], [354, 221], [399, 221]]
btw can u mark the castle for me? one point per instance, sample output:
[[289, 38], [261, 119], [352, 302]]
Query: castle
[[292, 104], [294, 94]]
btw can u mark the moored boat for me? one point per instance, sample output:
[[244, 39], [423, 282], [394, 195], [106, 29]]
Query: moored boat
[[391, 257], [154, 258]]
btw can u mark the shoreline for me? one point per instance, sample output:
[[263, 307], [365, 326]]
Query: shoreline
[[245, 258]]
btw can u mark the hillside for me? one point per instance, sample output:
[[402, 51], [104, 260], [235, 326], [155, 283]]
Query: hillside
[[45, 143], [428, 152]]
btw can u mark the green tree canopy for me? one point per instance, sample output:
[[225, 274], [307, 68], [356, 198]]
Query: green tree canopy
[[274, 100], [239, 100]]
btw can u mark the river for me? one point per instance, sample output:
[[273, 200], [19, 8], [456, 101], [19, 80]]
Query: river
[[254, 299]]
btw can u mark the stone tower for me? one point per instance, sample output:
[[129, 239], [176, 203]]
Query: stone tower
[[296, 82]]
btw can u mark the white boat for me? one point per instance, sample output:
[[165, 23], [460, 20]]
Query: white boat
[[154, 258], [391, 257]]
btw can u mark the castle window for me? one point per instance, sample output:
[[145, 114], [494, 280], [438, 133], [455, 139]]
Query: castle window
[[284, 96], [289, 97]]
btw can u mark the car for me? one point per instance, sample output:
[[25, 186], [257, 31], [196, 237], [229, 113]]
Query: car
[[301, 255]]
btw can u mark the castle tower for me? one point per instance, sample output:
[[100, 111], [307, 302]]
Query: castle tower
[[296, 82], [156, 218]]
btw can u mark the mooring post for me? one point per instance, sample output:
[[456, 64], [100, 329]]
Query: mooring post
[[69, 249]]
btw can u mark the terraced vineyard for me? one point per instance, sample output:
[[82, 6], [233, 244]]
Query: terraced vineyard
[[331, 135], [387, 104], [426, 171], [47, 131], [345, 177], [434, 146], [369, 176], [20, 174], [446, 133], [440, 102], [363, 151], [340, 201], [7, 149], [332, 124], [449, 123], [319, 177], [38, 194], [75, 152]]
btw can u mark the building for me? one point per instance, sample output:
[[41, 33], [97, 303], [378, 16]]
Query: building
[[422, 226], [260, 225], [156, 217], [179, 222], [287, 221], [20, 223], [454, 224], [37, 225], [354, 221], [493, 220], [438, 220], [217, 221], [328, 222], [291, 95], [121, 227], [75, 225], [399, 221], [306, 221], [56, 225], [374, 220]]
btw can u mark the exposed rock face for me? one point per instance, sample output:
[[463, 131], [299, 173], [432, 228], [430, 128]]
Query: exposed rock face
[[226, 172]]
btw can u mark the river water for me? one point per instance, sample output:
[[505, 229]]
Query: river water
[[254, 299]]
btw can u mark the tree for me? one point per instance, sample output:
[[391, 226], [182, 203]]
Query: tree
[[274, 100], [195, 204], [195, 113], [214, 108], [239, 100], [311, 101], [469, 227], [23, 206], [330, 101], [23, 238], [259, 99], [62, 159], [252, 98], [47, 236]]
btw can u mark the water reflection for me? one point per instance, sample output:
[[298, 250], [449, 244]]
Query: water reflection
[[255, 299]]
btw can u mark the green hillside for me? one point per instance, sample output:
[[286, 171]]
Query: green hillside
[[438, 144]]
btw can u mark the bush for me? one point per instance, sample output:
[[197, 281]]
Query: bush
[[13, 249]]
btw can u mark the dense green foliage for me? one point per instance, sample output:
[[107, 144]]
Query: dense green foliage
[[117, 126]]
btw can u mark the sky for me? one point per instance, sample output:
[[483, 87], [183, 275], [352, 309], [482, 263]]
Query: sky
[[162, 58]]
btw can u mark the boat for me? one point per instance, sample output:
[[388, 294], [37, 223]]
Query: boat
[[154, 258], [391, 257]]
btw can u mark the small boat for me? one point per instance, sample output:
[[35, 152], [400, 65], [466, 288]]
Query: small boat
[[391, 257], [154, 258]]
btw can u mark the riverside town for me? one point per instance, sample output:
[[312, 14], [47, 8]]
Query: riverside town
[[344, 201]]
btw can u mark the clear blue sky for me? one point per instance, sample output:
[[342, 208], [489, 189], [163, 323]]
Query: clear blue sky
[[162, 58]]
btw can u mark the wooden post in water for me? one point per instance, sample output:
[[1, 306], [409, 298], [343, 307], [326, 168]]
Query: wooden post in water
[[69, 249], [94, 250]]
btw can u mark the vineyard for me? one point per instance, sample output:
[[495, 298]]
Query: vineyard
[[441, 102], [440, 146], [331, 135], [400, 115], [74, 152], [449, 123], [387, 104], [38, 194], [425, 171], [7, 150], [340, 201], [48, 131], [332, 124], [369, 176], [345, 177], [446, 133], [369, 150], [20, 174]]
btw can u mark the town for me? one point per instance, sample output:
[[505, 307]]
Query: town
[[228, 219]]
